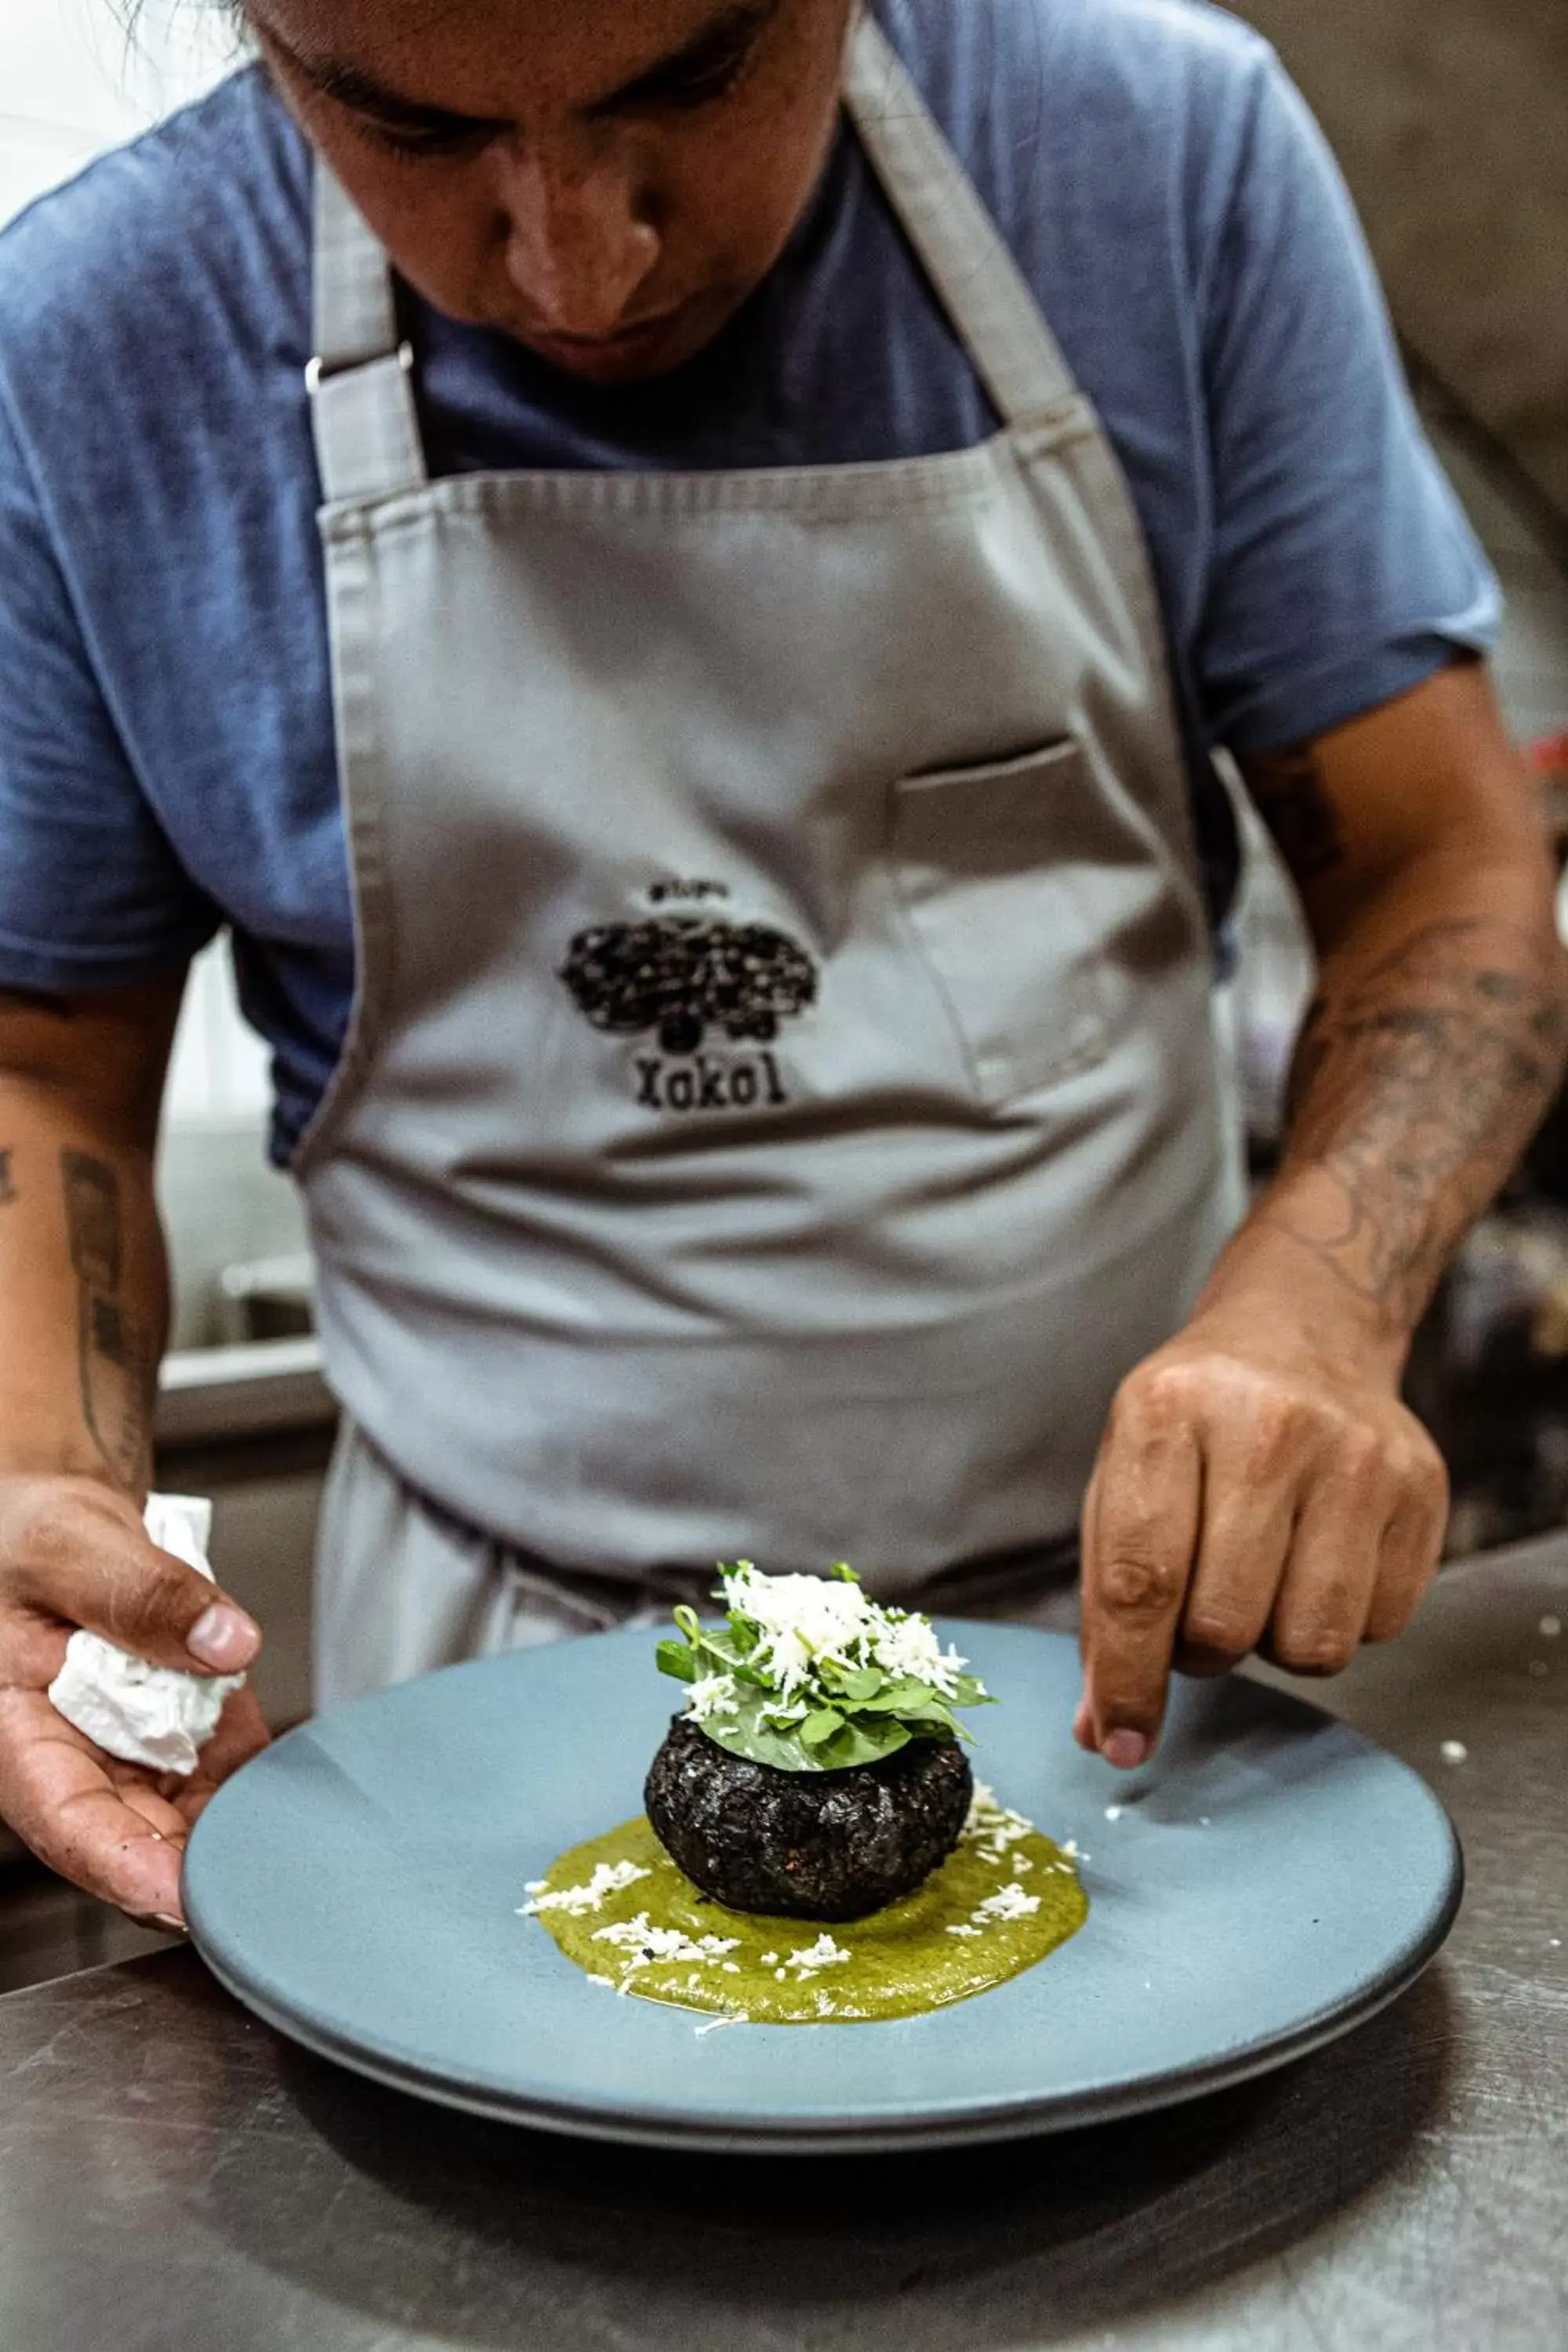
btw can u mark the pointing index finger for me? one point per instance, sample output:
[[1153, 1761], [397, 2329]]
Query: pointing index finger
[[1140, 1542]]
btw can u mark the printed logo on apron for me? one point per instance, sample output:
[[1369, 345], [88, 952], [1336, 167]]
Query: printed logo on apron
[[684, 979]]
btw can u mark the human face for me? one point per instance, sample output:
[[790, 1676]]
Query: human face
[[606, 181]]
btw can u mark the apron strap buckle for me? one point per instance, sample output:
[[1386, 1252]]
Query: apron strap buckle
[[319, 371]]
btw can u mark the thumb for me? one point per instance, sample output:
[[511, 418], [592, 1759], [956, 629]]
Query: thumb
[[93, 1565]]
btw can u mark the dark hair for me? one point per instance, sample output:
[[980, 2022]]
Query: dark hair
[[130, 14], [129, 11]]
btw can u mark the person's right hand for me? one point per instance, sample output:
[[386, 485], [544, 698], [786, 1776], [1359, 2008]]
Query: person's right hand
[[74, 1553]]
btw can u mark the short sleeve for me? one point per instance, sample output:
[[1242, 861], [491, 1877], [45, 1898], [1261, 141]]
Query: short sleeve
[[1344, 569], [91, 894]]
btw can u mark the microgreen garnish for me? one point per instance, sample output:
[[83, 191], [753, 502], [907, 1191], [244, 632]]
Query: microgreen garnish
[[810, 1675]]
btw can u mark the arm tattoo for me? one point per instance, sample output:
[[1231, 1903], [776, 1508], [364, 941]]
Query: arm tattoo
[[1414, 1090], [7, 1189], [113, 1355], [1289, 791]]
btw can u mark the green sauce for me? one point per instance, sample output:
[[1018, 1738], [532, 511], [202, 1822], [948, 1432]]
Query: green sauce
[[900, 1961]]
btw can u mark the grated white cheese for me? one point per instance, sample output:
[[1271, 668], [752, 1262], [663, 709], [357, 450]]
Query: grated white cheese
[[806, 1959], [1113, 1813], [711, 1695], [908, 1645], [647, 1947], [1009, 1902], [1551, 1627], [804, 1621], [609, 1878], [994, 1827], [1454, 1751], [963, 1928]]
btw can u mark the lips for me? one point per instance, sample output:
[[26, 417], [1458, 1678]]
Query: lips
[[588, 354]]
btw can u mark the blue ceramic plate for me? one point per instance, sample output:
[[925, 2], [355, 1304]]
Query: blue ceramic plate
[[1272, 1880]]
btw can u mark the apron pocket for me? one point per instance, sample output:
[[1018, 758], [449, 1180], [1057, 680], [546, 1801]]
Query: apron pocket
[[995, 912]]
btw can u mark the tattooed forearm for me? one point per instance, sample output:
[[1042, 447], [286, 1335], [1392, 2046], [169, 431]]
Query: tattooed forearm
[[1416, 1085], [114, 1358]]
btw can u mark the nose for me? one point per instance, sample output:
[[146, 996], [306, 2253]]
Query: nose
[[579, 243]]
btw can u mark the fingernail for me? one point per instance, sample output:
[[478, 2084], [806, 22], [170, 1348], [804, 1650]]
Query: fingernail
[[1125, 1749], [224, 1637], [171, 1926], [1083, 1725]]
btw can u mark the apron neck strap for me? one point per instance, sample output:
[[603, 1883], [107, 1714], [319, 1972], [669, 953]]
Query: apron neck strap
[[975, 278], [368, 442]]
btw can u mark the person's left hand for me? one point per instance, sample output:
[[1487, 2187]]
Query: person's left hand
[[1252, 1493]]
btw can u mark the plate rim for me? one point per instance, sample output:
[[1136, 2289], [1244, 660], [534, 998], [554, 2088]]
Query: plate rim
[[817, 2136], [960, 2123]]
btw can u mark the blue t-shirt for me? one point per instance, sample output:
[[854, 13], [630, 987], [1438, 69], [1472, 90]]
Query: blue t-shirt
[[166, 756]]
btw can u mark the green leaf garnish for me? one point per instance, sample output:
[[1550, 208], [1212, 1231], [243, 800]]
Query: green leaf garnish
[[806, 1676], [858, 1688]]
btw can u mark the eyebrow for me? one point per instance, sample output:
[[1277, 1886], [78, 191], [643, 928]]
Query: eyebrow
[[725, 40]]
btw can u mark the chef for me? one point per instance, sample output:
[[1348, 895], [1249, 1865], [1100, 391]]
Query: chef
[[676, 571]]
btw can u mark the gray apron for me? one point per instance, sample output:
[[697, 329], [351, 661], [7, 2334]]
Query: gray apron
[[781, 1100]]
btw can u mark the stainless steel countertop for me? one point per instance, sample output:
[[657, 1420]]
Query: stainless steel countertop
[[172, 2176]]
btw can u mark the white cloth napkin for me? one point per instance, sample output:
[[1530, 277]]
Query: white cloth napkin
[[142, 1713]]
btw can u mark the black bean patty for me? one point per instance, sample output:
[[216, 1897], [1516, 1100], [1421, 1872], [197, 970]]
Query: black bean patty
[[806, 1846]]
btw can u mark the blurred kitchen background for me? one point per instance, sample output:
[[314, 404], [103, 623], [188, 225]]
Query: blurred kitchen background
[[1451, 119]]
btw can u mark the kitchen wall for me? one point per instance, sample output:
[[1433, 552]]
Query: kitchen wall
[[1451, 119], [74, 79]]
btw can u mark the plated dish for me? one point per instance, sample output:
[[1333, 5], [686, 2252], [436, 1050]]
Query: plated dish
[[1272, 1880], [816, 1774]]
